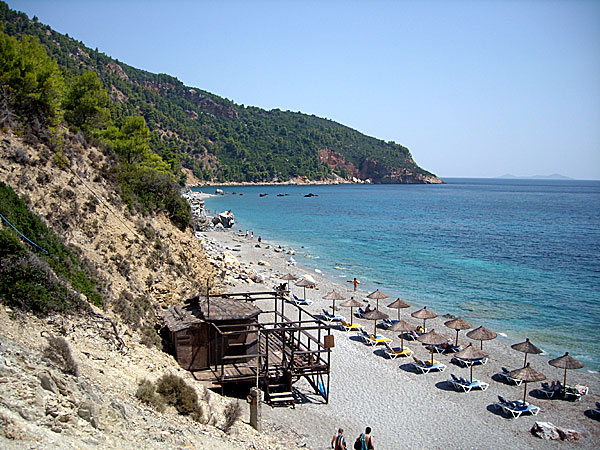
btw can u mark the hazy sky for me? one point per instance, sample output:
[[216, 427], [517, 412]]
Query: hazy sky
[[472, 88]]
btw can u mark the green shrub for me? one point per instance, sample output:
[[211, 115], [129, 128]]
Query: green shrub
[[28, 283], [146, 393], [10, 244], [32, 279], [178, 393], [59, 352]]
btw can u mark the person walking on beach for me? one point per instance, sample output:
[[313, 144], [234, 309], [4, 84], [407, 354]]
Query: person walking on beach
[[355, 283], [338, 442], [365, 441]]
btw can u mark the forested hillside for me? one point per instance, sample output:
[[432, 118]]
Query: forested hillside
[[217, 139]]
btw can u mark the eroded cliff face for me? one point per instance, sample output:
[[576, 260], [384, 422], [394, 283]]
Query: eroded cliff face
[[376, 172], [77, 198]]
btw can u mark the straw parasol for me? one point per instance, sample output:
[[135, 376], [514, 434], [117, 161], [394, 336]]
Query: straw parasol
[[526, 347], [398, 304], [458, 324], [403, 327], [471, 353], [333, 296], [304, 283], [375, 315], [289, 277], [432, 338], [351, 304], [377, 295], [566, 362], [527, 374], [482, 334], [424, 314]]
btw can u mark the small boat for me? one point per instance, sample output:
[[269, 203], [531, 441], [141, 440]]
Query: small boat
[[262, 194]]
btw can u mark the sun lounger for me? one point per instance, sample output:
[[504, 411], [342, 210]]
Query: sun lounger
[[575, 392], [371, 339], [468, 385], [331, 317], [301, 301], [444, 348], [555, 389], [505, 376], [394, 352], [469, 362], [387, 323], [350, 326], [596, 410], [412, 335], [427, 366], [376, 339], [516, 408]]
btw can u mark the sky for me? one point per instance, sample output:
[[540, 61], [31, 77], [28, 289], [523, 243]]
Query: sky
[[472, 88]]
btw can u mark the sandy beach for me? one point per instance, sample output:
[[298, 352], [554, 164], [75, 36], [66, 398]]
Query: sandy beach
[[405, 409]]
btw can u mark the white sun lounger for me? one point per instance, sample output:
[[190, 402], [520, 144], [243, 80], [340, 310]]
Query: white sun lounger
[[517, 408], [466, 385]]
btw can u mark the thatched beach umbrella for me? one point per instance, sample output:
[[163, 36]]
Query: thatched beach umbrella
[[289, 277], [432, 338], [398, 304], [526, 347], [482, 334], [305, 283], [424, 314], [375, 315], [351, 304], [566, 362], [471, 353], [528, 375], [458, 324], [403, 327], [377, 295], [333, 296]]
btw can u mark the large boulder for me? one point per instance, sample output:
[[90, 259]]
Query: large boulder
[[225, 218], [549, 431]]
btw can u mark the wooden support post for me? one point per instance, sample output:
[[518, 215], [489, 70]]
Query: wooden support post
[[255, 400]]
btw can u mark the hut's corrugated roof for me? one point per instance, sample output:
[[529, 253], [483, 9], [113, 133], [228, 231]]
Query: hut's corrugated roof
[[196, 310]]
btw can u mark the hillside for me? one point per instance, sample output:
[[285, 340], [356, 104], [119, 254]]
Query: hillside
[[138, 264], [218, 140]]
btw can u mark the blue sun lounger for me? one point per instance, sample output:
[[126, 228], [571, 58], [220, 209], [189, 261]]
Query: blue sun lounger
[[516, 408], [467, 385]]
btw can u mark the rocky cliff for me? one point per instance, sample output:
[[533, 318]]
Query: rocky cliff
[[371, 170]]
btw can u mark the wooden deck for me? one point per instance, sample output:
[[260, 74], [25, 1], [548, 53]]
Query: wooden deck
[[287, 350]]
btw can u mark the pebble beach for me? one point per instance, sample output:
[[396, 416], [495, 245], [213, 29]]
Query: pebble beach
[[404, 408]]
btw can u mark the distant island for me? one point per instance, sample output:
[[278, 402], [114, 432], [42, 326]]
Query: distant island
[[554, 176]]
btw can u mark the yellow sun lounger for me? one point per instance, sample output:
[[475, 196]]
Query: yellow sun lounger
[[378, 339], [394, 352], [350, 326]]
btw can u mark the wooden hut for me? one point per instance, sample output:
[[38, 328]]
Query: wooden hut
[[195, 340], [226, 339]]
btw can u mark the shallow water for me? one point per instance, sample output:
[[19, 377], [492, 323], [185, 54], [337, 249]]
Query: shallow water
[[518, 256]]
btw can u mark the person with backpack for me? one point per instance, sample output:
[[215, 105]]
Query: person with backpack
[[364, 441], [338, 442]]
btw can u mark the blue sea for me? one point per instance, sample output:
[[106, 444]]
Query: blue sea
[[521, 257]]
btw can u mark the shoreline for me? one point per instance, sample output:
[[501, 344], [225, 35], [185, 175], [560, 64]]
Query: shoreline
[[508, 330], [401, 406]]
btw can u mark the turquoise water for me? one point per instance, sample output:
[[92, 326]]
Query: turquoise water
[[521, 257]]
